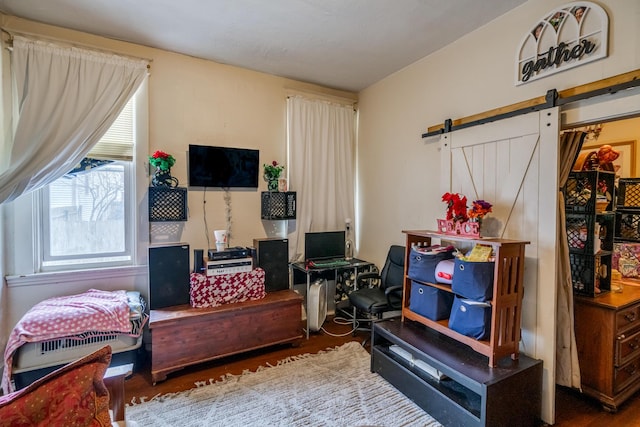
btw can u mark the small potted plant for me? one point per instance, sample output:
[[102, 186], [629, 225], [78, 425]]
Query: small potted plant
[[479, 208], [272, 173], [163, 163]]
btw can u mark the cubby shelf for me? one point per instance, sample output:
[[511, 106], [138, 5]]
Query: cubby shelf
[[590, 230], [167, 204], [506, 304], [276, 205]]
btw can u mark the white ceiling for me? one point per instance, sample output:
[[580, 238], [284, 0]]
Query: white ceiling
[[341, 44]]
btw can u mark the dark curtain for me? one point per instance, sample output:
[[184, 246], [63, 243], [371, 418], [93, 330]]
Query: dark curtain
[[567, 365]]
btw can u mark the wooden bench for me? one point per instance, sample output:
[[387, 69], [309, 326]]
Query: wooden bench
[[182, 335]]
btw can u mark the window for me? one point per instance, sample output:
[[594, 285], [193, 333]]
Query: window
[[86, 215]]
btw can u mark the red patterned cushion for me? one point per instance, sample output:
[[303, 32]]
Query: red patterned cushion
[[213, 291], [72, 395]]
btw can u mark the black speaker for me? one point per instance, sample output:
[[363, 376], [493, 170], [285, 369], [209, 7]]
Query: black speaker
[[198, 261], [168, 275], [272, 255]]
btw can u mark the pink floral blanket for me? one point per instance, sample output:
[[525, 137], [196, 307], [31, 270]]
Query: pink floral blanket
[[94, 311]]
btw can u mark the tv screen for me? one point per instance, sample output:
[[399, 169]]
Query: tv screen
[[223, 167], [324, 245]]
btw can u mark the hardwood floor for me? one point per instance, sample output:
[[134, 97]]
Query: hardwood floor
[[572, 408], [140, 383], [577, 410]]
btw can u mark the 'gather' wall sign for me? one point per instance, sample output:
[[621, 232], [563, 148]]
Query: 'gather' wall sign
[[572, 35]]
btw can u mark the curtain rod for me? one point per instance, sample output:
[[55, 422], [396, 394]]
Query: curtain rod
[[10, 41], [11, 35], [319, 95]]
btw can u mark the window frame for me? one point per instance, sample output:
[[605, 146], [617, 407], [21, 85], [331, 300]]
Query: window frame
[[22, 233], [48, 262], [44, 262]]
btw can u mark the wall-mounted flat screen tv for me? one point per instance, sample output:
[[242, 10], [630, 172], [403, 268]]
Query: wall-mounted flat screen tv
[[223, 167]]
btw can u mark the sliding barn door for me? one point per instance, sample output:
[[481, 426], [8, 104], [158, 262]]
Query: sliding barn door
[[512, 163]]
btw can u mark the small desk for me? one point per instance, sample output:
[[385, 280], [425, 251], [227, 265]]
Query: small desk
[[354, 264]]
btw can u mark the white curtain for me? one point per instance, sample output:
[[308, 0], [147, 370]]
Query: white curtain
[[321, 166], [567, 364], [65, 99]]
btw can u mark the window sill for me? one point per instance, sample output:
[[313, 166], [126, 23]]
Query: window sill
[[62, 277]]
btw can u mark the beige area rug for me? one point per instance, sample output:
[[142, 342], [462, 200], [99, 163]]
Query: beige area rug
[[331, 388]]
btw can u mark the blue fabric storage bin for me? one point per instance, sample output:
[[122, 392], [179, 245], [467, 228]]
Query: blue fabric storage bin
[[422, 266], [473, 280], [471, 318], [430, 302]]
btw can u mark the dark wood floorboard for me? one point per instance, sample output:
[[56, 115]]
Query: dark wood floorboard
[[572, 408]]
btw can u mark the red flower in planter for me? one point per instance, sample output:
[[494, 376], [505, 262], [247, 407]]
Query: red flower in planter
[[456, 206]]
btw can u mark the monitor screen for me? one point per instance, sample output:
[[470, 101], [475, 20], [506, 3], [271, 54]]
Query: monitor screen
[[223, 167], [324, 245]]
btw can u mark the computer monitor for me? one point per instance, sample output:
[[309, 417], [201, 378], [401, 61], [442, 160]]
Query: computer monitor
[[324, 245]]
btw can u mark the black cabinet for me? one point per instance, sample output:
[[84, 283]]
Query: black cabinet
[[469, 393]]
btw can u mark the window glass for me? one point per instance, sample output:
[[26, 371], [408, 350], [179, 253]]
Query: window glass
[[86, 217]]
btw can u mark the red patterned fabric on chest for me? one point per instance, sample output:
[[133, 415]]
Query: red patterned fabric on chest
[[213, 291]]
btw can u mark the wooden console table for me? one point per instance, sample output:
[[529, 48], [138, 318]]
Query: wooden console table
[[470, 393], [183, 335]]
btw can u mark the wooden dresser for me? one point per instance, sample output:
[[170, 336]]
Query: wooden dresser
[[183, 335], [608, 339]]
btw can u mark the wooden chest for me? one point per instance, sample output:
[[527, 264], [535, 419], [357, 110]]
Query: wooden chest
[[183, 335]]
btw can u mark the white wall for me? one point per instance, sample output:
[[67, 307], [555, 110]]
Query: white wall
[[191, 101], [398, 171]]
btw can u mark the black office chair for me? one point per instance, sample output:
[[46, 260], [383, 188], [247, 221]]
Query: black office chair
[[387, 296]]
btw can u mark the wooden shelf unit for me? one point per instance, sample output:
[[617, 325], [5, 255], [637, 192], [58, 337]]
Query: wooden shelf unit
[[508, 290]]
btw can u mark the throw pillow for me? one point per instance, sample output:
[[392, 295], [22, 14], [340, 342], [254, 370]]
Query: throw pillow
[[72, 395]]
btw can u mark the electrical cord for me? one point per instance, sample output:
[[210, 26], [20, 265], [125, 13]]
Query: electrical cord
[[341, 335], [345, 321], [227, 211], [204, 212]]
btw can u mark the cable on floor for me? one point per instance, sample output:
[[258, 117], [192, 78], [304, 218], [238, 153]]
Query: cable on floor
[[344, 321]]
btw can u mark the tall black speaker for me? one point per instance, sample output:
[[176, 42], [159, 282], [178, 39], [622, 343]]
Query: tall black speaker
[[272, 255], [168, 275]]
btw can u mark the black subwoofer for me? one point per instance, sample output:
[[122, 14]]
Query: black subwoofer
[[168, 275], [272, 255]]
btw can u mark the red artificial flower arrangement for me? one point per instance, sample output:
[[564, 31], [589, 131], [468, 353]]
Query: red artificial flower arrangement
[[162, 160], [459, 219], [456, 207]]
